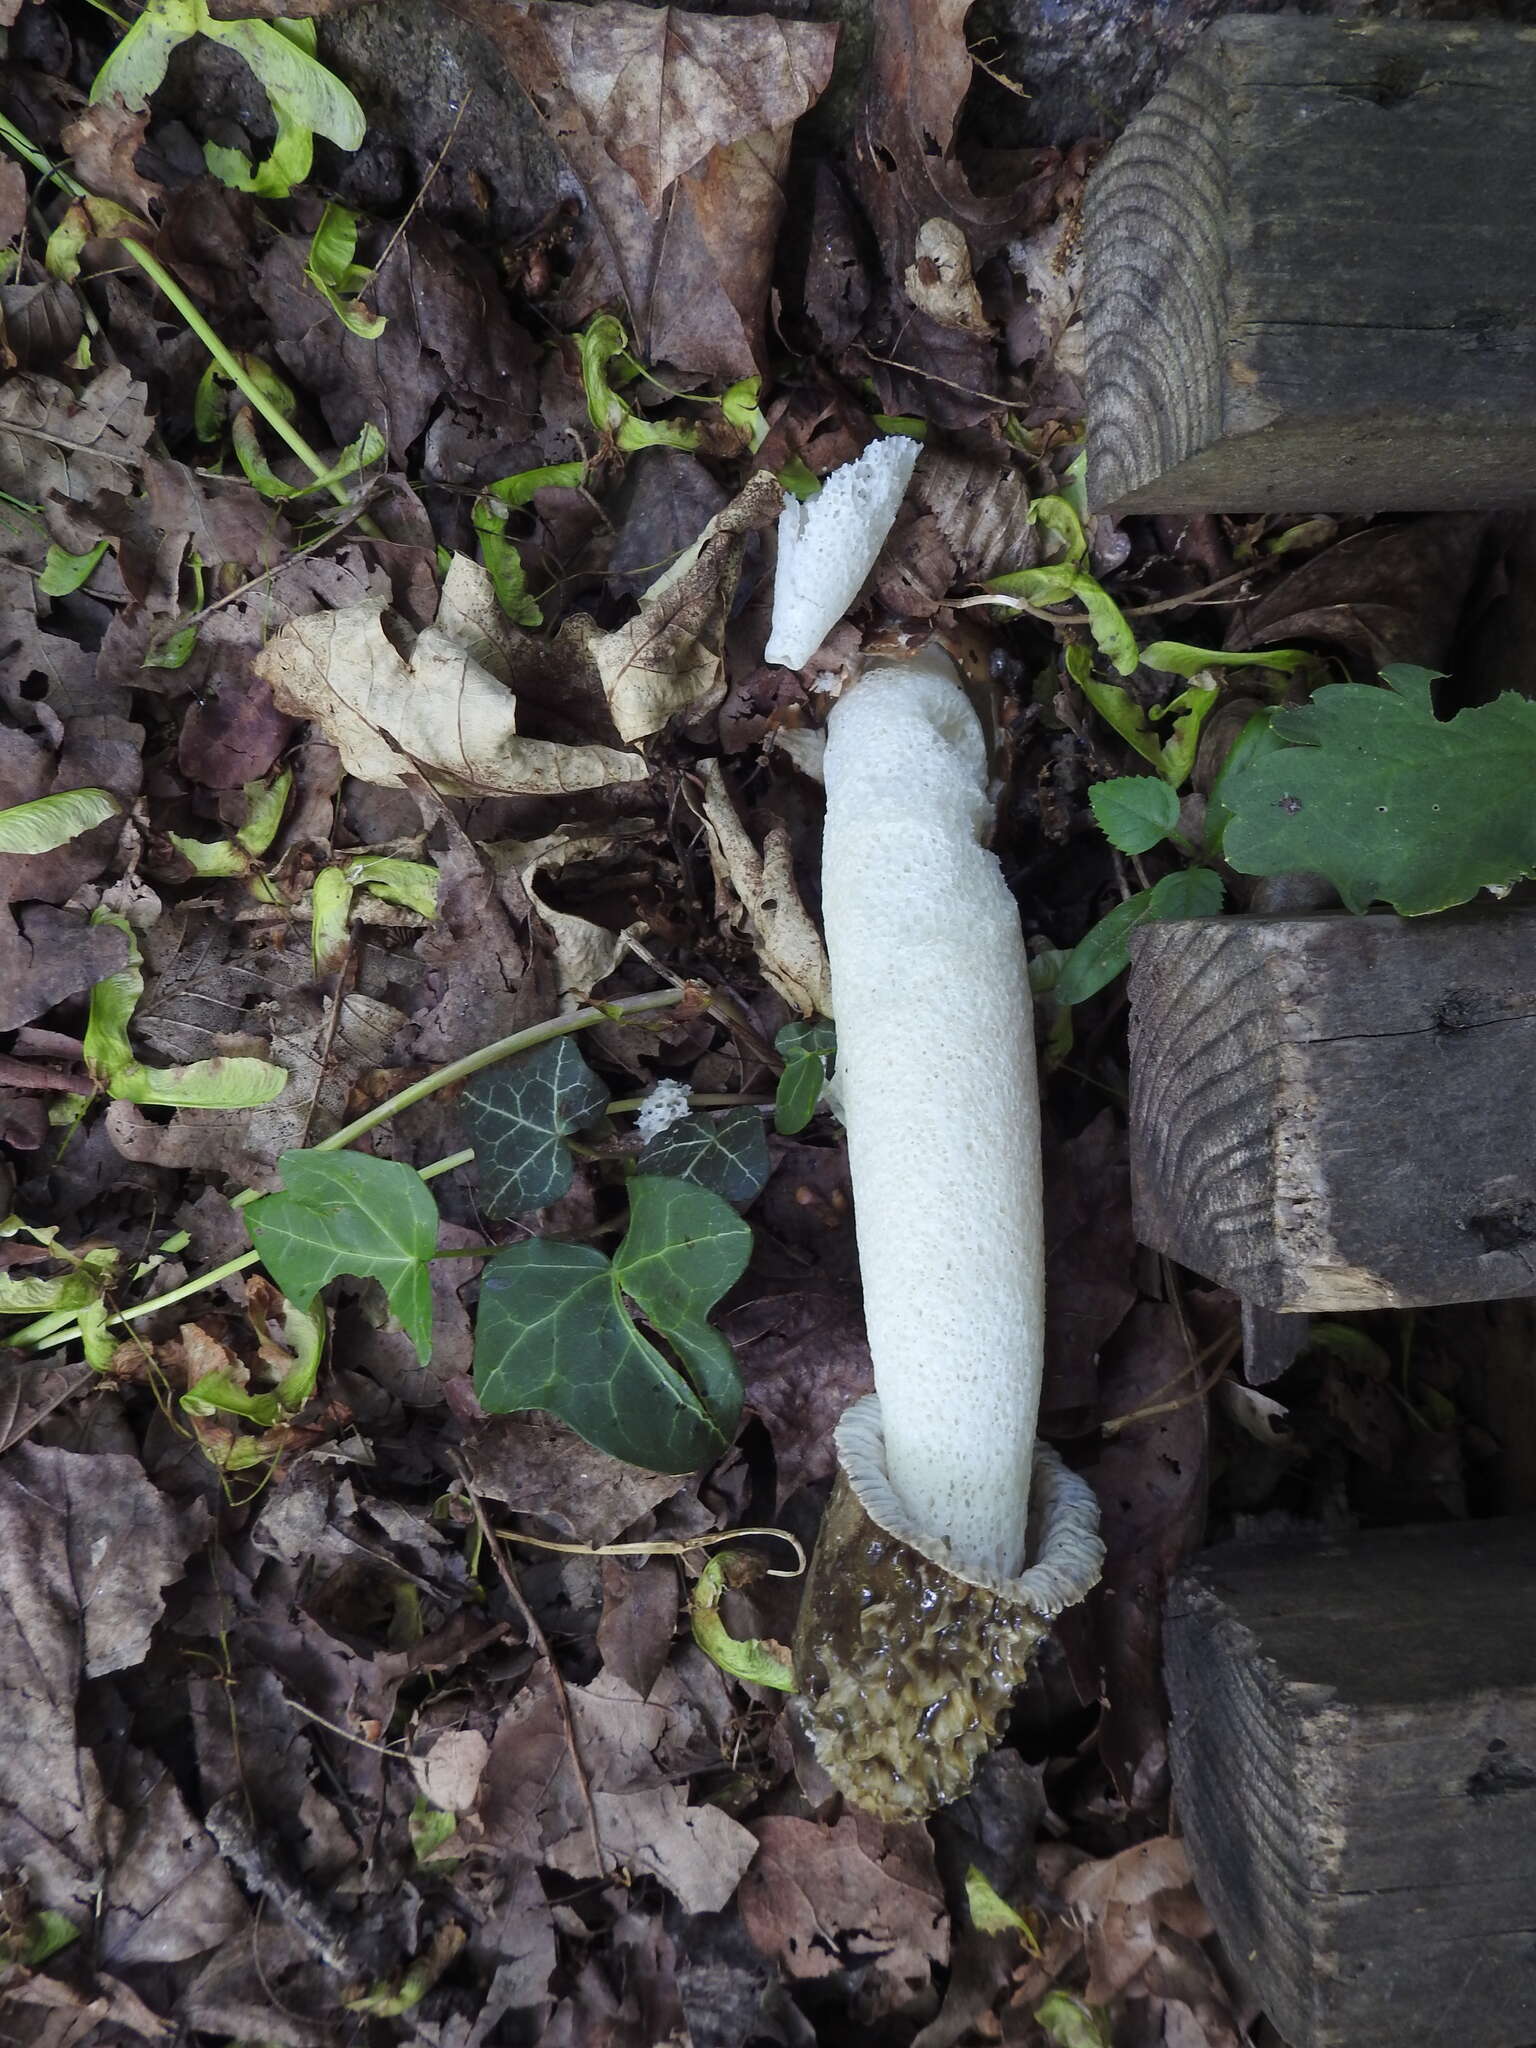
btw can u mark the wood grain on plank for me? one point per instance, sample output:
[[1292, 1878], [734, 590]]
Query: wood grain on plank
[[1333, 1113], [1354, 1757], [1311, 274]]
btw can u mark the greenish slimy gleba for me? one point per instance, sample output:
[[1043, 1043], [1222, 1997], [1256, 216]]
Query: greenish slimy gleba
[[952, 1539]]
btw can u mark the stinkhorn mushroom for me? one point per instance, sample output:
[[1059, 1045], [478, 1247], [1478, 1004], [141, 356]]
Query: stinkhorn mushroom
[[951, 1538], [828, 546]]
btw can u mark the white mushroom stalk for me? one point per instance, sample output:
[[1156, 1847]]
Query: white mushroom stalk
[[933, 1579]]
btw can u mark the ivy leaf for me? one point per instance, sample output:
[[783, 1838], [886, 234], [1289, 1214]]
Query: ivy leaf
[[519, 1115], [1096, 959], [344, 1212], [555, 1330], [1389, 802], [49, 822], [1134, 811], [807, 1051], [728, 1154]]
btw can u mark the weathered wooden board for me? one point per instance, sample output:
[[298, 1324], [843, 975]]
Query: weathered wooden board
[[1334, 1112], [1311, 274], [1353, 1746]]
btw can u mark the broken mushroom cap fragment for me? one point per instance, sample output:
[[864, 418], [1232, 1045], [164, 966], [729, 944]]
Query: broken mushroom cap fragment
[[828, 546], [939, 1566]]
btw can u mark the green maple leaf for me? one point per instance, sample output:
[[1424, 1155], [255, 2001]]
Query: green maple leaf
[[1390, 803]]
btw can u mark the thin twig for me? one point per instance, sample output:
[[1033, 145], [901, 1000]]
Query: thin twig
[[667, 1546], [426, 183], [933, 377], [540, 1642]]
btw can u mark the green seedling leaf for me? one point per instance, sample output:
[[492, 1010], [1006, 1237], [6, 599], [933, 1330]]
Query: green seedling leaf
[[1068, 2023], [1102, 953], [1188, 892], [344, 1212], [799, 479], [1188, 712], [909, 423], [288, 69], [213, 386], [49, 822], [304, 1332], [44, 1934], [265, 803], [63, 572], [517, 491], [213, 859], [292, 157], [727, 1153], [598, 345], [742, 411], [1056, 583], [137, 67], [430, 1829], [86, 219], [519, 1116], [1105, 952], [555, 1331], [1176, 657], [204, 1084], [334, 275], [369, 448], [1134, 811], [173, 652], [217, 1394], [411, 884], [991, 1913], [1059, 518], [1390, 803], [807, 1051], [749, 1659], [504, 565], [33, 1294], [96, 1340], [330, 904]]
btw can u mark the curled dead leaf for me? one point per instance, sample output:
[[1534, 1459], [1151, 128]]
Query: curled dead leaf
[[438, 711], [670, 656], [939, 281], [767, 901]]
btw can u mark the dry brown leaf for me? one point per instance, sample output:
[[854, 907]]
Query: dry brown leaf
[[87, 1546], [670, 656], [820, 1899], [678, 125], [55, 444], [439, 712], [979, 505], [939, 281], [767, 901], [698, 1852], [585, 953], [103, 142]]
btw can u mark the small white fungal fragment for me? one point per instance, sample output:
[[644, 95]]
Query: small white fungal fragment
[[666, 1105], [828, 546]]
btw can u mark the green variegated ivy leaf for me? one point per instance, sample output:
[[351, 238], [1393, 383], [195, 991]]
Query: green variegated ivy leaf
[[556, 1331], [519, 1116], [727, 1153], [344, 1212]]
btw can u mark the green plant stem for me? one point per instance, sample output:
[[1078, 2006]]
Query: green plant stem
[[159, 276], [504, 1048]]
